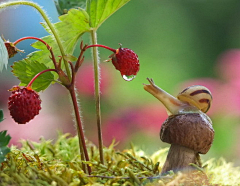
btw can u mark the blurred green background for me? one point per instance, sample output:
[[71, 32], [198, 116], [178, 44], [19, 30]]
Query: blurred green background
[[178, 43]]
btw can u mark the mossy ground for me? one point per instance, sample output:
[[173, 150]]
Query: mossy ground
[[59, 163]]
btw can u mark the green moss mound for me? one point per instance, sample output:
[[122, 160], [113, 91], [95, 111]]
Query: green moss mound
[[59, 164]]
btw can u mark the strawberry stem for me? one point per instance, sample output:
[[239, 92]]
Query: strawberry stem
[[97, 89], [36, 38], [82, 143], [80, 58], [38, 74], [47, 45], [81, 138], [103, 46]]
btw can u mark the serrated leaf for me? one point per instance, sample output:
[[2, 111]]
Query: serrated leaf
[[1, 116], [4, 140], [3, 55], [26, 69], [100, 10], [71, 26], [64, 5], [3, 152]]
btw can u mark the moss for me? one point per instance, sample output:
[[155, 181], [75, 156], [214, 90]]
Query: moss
[[59, 163]]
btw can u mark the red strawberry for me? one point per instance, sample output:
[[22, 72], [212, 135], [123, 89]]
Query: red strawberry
[[126, 61], [24, 104]]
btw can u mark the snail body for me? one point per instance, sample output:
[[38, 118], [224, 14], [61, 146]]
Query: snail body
[[195, 98], [188, 129]]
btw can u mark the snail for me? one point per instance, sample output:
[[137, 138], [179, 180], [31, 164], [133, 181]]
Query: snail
[[198, 96], [188, 129]]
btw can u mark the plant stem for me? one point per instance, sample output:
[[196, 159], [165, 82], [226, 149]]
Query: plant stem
[[38, 74], [45, 43], [97, 92], [103, 46], [50, 25], [81, 138], [82, 142], [36, 38], [80, 57]]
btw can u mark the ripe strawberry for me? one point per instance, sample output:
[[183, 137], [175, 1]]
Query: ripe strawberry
[[126, 61], [24, 104]]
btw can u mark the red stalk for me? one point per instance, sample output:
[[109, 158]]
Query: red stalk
[[25, 38], [35, 38], [103, 46], [36, 76], [82, 143]]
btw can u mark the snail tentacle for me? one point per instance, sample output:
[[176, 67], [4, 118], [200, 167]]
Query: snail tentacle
[[192, 99]]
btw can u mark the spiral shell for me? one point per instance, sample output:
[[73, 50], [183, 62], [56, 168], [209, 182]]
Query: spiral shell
[[198, 96]]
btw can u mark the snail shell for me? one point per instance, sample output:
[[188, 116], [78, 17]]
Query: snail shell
[[198, 96]]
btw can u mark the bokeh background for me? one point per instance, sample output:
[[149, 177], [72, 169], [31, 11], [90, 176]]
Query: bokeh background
[[179, 43]]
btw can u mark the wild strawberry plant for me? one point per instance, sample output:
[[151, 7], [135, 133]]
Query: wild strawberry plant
[[53, 62]]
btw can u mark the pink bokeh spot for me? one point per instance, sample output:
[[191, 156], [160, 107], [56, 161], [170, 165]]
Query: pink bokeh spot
[[124, 124], [151, 116], [85, 79], [229, 67], [114, 131]]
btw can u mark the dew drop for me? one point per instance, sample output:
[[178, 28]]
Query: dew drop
[[128, 78]]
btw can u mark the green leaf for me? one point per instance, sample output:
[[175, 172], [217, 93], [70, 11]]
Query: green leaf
[[70, 58], [64, 5], [26, 69], [1, 115], [3, 55], [100, 10], [4, 140], [71, 26]]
